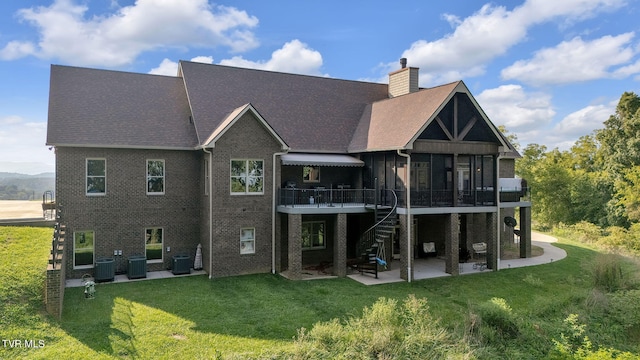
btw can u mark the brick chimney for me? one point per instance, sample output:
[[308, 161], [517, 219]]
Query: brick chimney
[[403, 81]]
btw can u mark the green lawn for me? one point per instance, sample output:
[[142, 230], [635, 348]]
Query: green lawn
[[250, 316]]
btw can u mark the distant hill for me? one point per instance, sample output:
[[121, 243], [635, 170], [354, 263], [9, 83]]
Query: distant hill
[[15, 186]]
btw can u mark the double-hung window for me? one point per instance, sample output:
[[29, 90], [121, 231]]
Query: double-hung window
[[313, 235], [247, 177], [155, 177], [96, 183]]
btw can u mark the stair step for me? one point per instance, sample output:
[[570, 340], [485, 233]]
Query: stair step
[[385, 231]]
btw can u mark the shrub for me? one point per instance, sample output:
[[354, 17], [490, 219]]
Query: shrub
[[385, 330], [494, 321], [583, 231], [532, 280], [623, 309], [607, 272], [576, 345]]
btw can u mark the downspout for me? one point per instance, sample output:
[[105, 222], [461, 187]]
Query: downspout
[[498, 210], [274, 211], [408, 205], [210, 211]]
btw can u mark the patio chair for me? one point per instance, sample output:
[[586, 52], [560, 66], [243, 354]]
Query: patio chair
[[429, 249], [480, 255]]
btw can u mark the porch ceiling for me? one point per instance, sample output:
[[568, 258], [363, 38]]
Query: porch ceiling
[[321, 160]]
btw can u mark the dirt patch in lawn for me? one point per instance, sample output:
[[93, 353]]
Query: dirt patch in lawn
[[512, 251]]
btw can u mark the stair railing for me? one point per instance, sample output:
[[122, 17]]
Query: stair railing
[[368, 238]]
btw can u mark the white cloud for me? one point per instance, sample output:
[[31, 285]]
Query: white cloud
[[576, 60], [489, 33], [67, 34], [565, 133], [584, 121], [531, 120], [170, 68], [24, 141], [203, 59], [627, 70], [294, 57], [16, 50], [517, 110], [167, 67]]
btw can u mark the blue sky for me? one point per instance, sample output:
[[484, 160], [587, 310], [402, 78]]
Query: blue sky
[[549, 70]]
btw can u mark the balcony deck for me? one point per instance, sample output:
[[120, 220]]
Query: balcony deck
[[322, 200]]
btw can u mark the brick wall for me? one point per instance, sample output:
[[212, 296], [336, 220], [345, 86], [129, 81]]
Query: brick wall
[[246, 139], [119, 218], [55, 277]]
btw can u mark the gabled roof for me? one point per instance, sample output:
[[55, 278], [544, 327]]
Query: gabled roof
[[232, 118], [392, 124], [395, 123], [102, 108], [312, 114]]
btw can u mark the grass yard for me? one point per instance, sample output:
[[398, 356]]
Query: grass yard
[[258, 316]]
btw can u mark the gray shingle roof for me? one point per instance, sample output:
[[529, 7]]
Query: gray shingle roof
[[393, 123], [313, 114], [102, 108], [90, 107]]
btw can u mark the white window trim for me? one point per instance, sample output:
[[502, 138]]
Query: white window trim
[[246, 189], [154, 261], [164, 178], [253, 229], [324, 225], [93, 250], [86, 177]]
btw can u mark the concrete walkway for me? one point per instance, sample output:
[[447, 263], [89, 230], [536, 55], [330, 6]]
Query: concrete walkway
[[151, 275], [551, 253], [434, 267]]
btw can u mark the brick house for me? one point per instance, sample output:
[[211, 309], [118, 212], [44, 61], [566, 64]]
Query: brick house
[[273, 172]]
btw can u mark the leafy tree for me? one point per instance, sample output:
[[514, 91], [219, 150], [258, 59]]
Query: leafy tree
[[553, 181], [597, 180], [585, 155], [620, 139], [618, 155], [627, 194], [531, 155], [513, 138], [590, 193]]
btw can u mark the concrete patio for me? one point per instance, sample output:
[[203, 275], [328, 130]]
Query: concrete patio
[[434, 267], [151, 275]]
